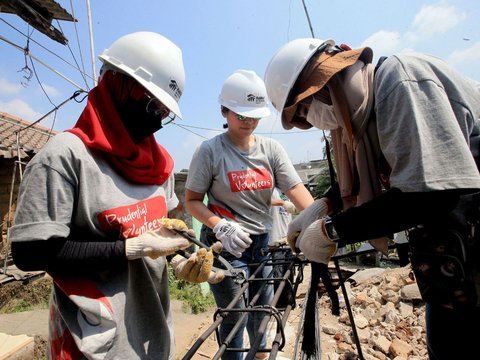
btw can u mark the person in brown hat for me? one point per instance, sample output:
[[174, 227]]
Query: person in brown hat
[[406, 139]]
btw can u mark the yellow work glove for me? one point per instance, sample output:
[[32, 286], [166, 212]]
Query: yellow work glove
[[160, 242], [198, 267]]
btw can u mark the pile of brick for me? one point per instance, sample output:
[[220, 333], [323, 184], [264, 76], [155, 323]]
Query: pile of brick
[[389, 316]]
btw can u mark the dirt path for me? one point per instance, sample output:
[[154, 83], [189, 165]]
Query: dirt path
[[189, 328]]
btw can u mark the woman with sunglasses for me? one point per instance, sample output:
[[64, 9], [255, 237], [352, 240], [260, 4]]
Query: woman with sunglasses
[[238, 171], [90, 205]]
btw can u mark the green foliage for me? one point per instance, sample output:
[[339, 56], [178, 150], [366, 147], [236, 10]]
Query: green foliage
[[323, 180], [191, 294], [323, 183], [21, 306], [17, 296]]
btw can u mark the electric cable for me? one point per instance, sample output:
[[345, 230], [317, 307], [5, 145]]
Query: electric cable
[[308, 18], [78, 38], [74, 58], [184, 127], [258, 133], [41, 62], [44, 48]]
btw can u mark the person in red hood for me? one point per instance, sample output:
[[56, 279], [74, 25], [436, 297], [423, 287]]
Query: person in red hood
[[90, 207]]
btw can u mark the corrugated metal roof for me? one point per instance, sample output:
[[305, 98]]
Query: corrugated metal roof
[[31, 139]]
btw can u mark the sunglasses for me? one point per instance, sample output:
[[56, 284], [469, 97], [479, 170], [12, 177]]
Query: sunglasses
[[155, 107], [243, 118]]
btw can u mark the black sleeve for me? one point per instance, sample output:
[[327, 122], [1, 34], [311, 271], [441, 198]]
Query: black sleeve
[[392, 212], [70, 255]]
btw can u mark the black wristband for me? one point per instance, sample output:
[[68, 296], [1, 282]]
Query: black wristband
[[330, 229]]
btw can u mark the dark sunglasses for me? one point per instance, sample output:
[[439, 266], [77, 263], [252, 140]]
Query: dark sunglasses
[[243, 118], [155, 107]]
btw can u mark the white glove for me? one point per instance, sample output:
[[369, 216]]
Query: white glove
[[198, 267], [289, 207], [315, 211], [153, 244], [315, 244], [233, 238]]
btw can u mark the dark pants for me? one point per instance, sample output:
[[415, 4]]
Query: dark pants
[[452, 334], [225, 291], [403, 251]]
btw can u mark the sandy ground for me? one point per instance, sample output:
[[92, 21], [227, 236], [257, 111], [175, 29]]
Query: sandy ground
[[189, 328]]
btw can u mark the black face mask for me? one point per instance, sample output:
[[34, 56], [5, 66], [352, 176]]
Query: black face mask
[[137, 121], [131, 101]]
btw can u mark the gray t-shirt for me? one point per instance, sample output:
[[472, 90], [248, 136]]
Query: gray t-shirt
[[426, 115], [116, 315], [239, 184]]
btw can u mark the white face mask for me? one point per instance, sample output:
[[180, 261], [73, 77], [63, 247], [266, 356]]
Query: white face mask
[[321, 115]]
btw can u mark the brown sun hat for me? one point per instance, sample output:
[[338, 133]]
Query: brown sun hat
[[316, 74]]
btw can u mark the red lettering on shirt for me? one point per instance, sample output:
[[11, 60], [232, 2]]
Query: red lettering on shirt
[[249, 180], [134, 219]]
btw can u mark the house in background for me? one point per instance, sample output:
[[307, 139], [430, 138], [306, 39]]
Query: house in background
[[309, 172], [19, 142]]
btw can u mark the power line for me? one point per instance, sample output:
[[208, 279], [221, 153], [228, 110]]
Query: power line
[[308, 18], [44, 48], [186, 127], [82, 73], [78, 41], [41, 62]]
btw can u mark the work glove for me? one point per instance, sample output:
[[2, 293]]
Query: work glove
[[160, 242], [233, 238], [314, 243], [198, 267], [333, 194], [289, 207], [314, 212]]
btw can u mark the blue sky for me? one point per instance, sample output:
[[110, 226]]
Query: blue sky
[[217, 37]]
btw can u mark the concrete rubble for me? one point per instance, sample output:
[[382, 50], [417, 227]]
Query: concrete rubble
[[388, 313]]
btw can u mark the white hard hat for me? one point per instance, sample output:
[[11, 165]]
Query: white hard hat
[[285, 66], [244, 93], [152, 60]]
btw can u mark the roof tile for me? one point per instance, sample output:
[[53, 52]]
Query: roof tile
[[31, 137]]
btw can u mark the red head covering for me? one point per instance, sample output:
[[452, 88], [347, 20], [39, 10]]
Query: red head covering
[[101, 129]]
